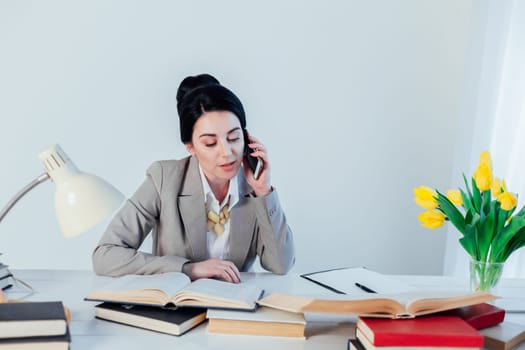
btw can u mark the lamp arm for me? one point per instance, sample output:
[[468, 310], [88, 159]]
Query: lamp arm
[[22, 192]]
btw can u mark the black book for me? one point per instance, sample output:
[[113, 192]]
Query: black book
[[57, 342], [5, 277], [170, 321], [354, 344], [32, 319]]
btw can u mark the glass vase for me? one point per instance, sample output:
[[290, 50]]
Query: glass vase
[[484, 276]]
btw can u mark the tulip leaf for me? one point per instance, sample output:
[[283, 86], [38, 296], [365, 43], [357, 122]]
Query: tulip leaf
[[503, 215], [452, 213], [486, 199], [467, 187], [469, 241], [487, 231], [467, 203], [515, 243], [476, 197], [521, 212], [467, 245], [502, 239], [468, 217]]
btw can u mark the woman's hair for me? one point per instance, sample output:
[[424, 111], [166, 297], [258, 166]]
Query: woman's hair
[[200, 94]]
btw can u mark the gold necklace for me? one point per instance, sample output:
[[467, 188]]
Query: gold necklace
[[216, 222]]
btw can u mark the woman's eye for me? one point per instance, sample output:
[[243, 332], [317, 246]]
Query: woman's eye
[[235, 139], [210, 144]]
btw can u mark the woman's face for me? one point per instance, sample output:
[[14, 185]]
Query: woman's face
[[217, 142]]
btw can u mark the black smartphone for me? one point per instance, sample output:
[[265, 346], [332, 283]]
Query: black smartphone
[[256, 164]]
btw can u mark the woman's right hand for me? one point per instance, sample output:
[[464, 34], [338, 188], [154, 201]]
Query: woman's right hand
[[213, 268]]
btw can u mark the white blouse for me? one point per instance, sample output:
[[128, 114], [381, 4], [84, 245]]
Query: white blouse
[[218, 246]]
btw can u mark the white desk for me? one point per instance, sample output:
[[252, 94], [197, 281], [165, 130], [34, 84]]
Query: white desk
[[89, 333]]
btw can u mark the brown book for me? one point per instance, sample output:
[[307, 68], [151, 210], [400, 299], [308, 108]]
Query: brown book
[[264, 321], [405, 305], [175, 289], [504, 336]]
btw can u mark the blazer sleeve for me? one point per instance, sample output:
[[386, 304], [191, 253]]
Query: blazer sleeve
[[117, 251], [275, 246]]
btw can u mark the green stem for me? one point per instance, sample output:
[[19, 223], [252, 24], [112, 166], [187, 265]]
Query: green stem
[[487, 275]]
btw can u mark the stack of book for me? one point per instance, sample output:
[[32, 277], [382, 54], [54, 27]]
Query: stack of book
[[169, 303], [426, 332], [33, 325], [468, 327], [264, 321]]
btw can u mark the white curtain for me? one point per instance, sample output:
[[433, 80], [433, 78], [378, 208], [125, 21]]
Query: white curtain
[[493, 111]]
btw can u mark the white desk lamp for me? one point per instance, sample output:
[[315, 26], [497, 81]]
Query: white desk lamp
[[81, 200]]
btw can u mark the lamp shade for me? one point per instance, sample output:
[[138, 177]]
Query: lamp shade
[[82, 200]]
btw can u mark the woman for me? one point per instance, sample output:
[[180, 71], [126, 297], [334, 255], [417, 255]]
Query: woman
[[208, 215]]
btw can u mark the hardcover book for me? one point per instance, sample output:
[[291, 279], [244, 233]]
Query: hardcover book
[[169, 321], [357, 344], [54, 342], [32, 319], [176, 289], [504, 336], [5, 277], [265, 321], [479, 316], [405, 305], [436, 331]]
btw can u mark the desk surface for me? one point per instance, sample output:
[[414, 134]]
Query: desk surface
[[89, 333]]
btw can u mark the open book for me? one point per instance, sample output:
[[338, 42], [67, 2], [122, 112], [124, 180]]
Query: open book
[[176, 289], [403, 305]]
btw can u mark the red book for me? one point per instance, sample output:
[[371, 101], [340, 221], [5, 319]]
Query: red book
[[444, 331], [479, 316]]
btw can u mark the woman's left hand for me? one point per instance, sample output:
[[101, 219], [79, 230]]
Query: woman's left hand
[[263, 185]]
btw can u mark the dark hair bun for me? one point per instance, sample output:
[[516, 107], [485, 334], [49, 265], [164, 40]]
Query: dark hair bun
[[193, 82], [200, 94]]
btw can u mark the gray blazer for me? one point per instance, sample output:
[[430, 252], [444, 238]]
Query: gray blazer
[[170, 205]]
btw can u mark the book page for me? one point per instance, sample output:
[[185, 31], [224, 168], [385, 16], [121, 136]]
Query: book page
[[169, 282], [223, 294], [430, 302], [344, 281], [377, 305]]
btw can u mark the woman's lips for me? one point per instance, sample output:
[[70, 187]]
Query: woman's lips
[[227, 166]]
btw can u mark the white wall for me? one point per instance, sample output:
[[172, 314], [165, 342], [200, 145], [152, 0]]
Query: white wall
[[358, 102]]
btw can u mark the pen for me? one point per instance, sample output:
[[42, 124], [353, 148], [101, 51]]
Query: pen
[[365, 288]]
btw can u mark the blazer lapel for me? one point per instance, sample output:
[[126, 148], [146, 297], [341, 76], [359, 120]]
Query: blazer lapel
[[193, 211], [242, 225]]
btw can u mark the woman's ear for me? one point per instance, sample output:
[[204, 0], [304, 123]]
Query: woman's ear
[[189, 148]]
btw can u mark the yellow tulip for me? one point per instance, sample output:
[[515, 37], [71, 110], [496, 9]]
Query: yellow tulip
[[483, 177], [425, 197], [484, 159], [498, 187], [455, 197], [432, 219], [508, 201]]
